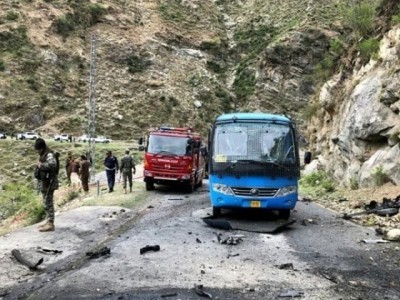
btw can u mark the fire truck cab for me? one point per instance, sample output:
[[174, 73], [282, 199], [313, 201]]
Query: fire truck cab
[[174, 156]]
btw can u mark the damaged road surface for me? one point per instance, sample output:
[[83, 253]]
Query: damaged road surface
[[164, 250]]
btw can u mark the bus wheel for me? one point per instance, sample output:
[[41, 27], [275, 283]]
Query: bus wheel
[[284, 214], [216, 211], [149, 186]]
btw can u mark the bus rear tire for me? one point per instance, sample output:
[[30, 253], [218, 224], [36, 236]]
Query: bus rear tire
[[284, 214], [149, 186], [216, 211]]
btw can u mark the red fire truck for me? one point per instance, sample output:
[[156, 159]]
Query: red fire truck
[[174, 156]]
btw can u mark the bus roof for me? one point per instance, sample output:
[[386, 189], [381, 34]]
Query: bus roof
[[252, 116]]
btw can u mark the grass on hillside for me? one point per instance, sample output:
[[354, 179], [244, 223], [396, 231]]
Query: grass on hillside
[[21, 205]]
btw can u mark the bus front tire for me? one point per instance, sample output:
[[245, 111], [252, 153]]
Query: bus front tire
[[284, 214], [216, 211]]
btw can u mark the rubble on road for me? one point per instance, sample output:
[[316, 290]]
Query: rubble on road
[[32, 266], [96, 254], [149, 248]]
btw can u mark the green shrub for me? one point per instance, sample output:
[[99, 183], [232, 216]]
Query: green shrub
[[311, 110], [136, 64], [14, 198], [361, 18], [336, 46], [2, 65], [324, 69], [11, 15], [84, 16], [15, 41], [379, 176], [395, 20], [169, 12], [244, 84], [368, 48], [353, 184], [319, 179]]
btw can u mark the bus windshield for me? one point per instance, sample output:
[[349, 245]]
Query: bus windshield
[[171, 145], [259, 142]]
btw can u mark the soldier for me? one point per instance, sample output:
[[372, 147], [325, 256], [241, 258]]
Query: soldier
[[68, 166], [84, 173], [47, 173], [127, 168], [111, 164]]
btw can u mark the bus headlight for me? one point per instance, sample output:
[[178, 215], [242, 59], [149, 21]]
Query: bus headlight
[[287, 190], [222, 188]]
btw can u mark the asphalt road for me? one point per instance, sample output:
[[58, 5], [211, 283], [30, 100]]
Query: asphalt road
[[318, 257]]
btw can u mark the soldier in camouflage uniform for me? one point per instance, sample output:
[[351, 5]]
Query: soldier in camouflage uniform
[[84, 173], [47, 170], [127, 168]]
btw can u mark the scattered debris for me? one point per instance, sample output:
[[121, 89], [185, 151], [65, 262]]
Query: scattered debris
[[169, 295], [387, 208], [226, 225], [47, 251], [232, 255], [175, 199], [150, 206], [149, 248], [198, 240], [287, 266], [304, 222], [376, 241], [291, 294], [32, 266], [304, 199], [96, 254], [230, 240], [198, 289]]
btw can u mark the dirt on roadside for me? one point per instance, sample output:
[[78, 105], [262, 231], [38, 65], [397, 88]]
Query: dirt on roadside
[[351, 201]]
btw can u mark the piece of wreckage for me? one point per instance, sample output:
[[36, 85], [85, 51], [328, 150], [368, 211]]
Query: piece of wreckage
[[269, 228], [387, 208], [32, 266]]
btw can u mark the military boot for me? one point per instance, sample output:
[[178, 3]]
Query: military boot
[[48, 226], [42, 224]]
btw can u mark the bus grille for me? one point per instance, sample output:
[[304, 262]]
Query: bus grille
[[262, 192]]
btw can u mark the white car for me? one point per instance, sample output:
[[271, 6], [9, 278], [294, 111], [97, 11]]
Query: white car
[[102, 139], [30, 135], [83, 138], [61, 137]]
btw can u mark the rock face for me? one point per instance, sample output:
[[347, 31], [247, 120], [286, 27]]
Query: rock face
[[359, 139]]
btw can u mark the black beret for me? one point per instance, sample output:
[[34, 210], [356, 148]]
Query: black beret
[[40, 144]]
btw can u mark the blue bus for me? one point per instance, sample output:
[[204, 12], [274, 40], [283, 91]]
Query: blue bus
[[253, 163]]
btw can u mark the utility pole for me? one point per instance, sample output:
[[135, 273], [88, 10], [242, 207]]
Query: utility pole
[[92, 107]]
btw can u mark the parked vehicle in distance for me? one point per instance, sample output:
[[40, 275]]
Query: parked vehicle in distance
[[61, 137], [30, 135], [19, 136], [83, 138], [102, 139], [3, 136]]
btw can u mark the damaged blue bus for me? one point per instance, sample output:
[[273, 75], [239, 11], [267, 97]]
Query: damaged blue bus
[[253, 163]]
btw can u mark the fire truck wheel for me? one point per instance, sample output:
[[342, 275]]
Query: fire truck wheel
[[216, 212], [149, 186], [191, 187]]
